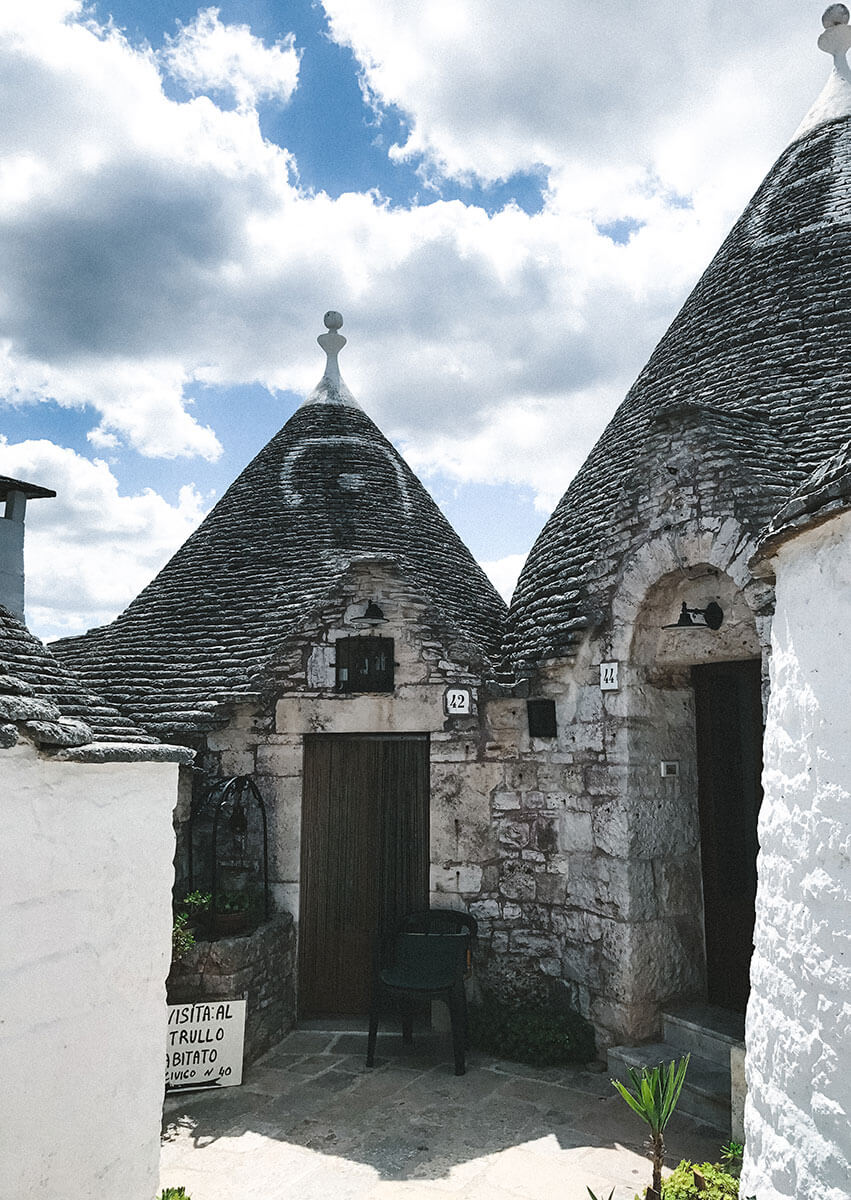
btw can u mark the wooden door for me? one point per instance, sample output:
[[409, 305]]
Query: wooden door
[[364, 859], [728, 711]]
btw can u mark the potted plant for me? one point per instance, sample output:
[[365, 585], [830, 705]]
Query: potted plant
[[233, 914]]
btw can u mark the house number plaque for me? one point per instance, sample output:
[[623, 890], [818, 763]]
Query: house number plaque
[[609, 677], [458, 701]]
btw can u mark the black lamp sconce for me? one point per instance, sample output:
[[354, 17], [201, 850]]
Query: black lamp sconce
[[711, 617], [371, 616]]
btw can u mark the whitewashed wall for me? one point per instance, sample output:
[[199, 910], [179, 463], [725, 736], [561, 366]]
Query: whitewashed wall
[[798, 1036], [85, 930]]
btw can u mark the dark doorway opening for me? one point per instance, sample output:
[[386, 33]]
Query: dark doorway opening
[[364, 859], [728, 714]]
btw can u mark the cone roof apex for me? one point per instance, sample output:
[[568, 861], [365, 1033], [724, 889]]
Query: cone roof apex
[[835, 98], [331, 388]]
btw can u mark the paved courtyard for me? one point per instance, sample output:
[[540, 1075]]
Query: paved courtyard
[[311, 1122]]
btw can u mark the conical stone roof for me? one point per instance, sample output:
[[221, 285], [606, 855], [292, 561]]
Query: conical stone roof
[[756, 368], [329, 487], [42, 700]]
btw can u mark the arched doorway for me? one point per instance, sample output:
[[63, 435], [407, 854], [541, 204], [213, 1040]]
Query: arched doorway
[[728, 732], [697, 721]]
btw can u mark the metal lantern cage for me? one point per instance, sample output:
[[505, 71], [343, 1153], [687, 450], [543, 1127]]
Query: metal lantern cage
[[231, 801]]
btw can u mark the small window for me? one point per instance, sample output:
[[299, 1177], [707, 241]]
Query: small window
[[364, 664], [542, 718]]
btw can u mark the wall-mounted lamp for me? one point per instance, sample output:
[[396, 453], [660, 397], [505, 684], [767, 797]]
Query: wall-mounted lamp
[[711, 617], [238, 821], [370, 617]]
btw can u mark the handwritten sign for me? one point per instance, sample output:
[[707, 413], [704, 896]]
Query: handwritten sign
[[204, 1045]]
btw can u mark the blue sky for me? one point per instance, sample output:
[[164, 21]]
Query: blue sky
[[506, 221]]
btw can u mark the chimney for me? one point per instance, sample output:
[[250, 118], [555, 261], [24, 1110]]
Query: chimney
[[15, 493]]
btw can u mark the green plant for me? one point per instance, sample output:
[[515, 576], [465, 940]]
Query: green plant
[[731, 1155], [654, 1097], [197, 903], [174, 1193], [706, 1181], [536, 1035], [234, 902], [594, 1196], [182, 937]]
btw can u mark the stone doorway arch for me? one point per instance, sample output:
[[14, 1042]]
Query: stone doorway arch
[[692, 774]]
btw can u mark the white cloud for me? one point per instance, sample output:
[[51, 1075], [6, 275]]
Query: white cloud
[[90, 550], [209, 56], [149, 244], [504, 573], [492, 86], [140, 401]]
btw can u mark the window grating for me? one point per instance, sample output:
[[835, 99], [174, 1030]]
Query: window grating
[[364, 664]]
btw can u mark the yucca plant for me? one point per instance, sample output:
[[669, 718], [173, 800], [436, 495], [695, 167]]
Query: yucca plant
[[654, 1096]]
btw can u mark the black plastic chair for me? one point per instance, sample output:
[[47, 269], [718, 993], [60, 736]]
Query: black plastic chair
[[427, 958]]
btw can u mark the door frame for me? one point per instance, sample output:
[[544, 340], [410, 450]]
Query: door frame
[[342, 845], [728, 744]]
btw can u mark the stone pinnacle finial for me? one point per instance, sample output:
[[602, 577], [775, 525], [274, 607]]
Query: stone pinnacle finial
[[835, 99], [836, 39], [333, 341], [331, 389]]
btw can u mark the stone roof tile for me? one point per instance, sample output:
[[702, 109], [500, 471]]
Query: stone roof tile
[[759, 355], [39, 697], [328, 488], [821, 496]]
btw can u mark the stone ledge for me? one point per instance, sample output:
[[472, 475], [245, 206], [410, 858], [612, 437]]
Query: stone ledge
[[104, 752]]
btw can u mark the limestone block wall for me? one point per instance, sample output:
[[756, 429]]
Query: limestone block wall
[[259, 968], [599, 851], [85, 927], [798, 1031], [265, 738]]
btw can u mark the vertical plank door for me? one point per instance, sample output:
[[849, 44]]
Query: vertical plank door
[[364, 859], [728, 713]]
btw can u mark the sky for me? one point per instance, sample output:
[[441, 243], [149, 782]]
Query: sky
[[507, 200]]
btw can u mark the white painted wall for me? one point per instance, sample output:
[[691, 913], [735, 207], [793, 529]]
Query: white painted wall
[[85, 931], [798, 1035]]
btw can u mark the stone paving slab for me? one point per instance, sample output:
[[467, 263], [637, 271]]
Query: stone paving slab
[[312, 1122]]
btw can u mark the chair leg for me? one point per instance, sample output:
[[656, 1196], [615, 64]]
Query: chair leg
[[456, 1014], [407, 1022], [373, 1031]]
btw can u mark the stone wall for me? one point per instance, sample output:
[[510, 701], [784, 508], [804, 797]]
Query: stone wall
[[266, 737], [258, 967], [85, 924], [580, 861], [798, 1032], [599, 885]]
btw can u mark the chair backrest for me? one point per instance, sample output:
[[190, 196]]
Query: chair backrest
[[439, 920], [431, 921], [428, 962]]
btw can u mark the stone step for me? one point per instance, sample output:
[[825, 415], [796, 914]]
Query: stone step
[[704, 1030], [706, 1091]]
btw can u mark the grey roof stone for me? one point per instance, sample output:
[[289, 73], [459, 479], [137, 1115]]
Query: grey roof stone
[[755, 371], [40, 697], [326, 489], [821, 496]]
